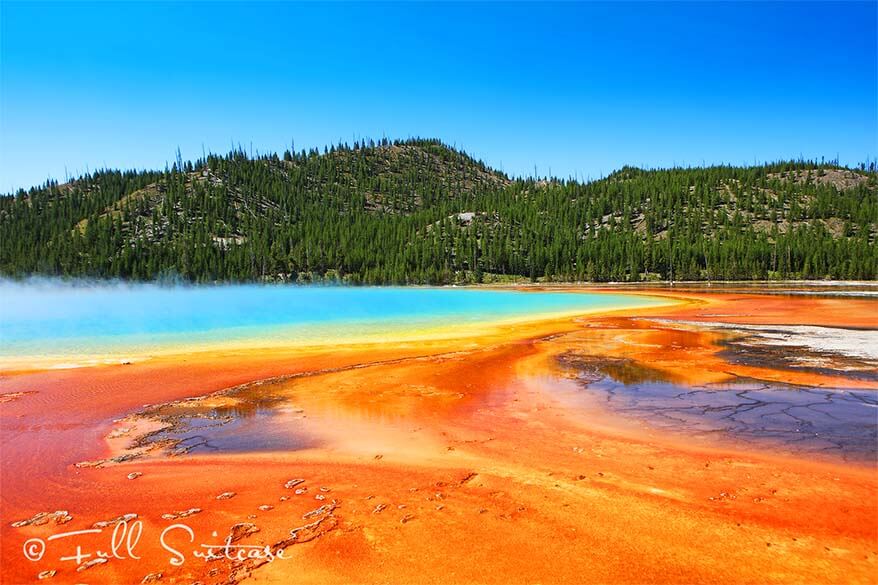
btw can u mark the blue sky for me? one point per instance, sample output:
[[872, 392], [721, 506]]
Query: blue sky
[[575, 89]]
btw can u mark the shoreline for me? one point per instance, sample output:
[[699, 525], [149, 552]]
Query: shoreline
[[396, 332], [686, 299]]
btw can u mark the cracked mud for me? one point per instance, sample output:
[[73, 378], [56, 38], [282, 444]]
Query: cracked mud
[[838, 422]]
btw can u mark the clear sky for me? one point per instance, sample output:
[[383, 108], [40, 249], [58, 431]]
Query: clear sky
[[575, 89]]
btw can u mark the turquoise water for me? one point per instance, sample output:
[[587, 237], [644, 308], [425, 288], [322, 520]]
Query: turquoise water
[[61, 319]]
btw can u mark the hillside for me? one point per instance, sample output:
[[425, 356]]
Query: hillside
[[418, 211]]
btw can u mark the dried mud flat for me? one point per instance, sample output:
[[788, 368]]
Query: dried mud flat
[[665, 445], [835, 421]]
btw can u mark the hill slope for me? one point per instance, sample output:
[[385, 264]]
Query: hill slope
[[419, 211]]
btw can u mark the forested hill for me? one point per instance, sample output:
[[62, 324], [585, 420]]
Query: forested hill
[[418, 211]]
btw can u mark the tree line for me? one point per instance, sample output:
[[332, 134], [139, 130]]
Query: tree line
[[420, 212]]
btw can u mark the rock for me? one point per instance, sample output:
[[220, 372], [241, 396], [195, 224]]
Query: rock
[[325, 489], [37, 519], [378, 508], [62, 517], [89, 564], [321, 510], [120, 432], [181, 514], [46, 574], [301, 491], [134, 475], [102, 462], [152, 578], [293, 483], [114, 521], [10, 396], [439, 507], [310, 530], [40, 518], [377, 457], [86, 464], [242, 530], [469, 477], [226, 496], [407, 518], [266, 507], [319, 497], [284, 498]]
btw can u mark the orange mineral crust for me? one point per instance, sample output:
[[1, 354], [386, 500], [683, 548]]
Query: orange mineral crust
[[477, 460]]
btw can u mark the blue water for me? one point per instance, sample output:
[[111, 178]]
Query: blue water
[[58, 319]]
